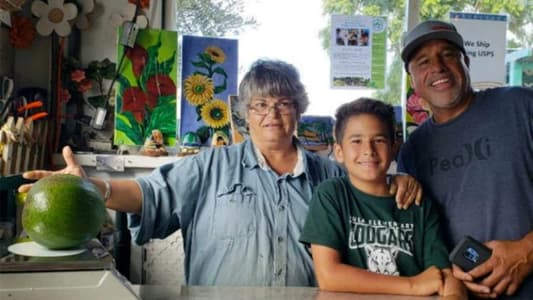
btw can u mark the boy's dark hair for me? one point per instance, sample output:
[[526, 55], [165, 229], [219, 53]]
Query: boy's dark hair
[[383, 111]]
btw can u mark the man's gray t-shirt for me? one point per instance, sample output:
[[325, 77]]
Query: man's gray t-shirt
[[479, 168]]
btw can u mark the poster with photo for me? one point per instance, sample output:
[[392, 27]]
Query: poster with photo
[[358, 51], [209, 77]]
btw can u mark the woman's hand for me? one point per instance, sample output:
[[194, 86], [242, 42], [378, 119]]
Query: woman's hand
[[72, 168], [407, 190]]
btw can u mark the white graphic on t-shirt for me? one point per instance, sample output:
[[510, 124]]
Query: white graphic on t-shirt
[[382, 260], [389, 234], [382, 241]]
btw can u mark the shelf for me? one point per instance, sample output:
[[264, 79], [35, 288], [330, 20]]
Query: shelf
[[128, 161]]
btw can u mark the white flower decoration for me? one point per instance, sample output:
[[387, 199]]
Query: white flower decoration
[[54, 16], [86, 7], [127, 14]]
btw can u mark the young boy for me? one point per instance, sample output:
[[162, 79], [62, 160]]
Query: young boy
[[360, 241]]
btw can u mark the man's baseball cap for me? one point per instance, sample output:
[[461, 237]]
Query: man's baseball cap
[[427, 31]]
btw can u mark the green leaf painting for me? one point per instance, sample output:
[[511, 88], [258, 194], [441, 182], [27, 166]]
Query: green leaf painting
[[146, 88]]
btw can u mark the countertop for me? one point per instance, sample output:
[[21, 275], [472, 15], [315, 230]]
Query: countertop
[[244, 293]]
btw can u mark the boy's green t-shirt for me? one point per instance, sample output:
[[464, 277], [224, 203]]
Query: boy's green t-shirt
[[370, 232]]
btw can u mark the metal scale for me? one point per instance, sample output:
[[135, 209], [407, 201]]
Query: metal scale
[[90, 274]]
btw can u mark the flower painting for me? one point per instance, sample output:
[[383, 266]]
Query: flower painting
[[416, 108], [146, 89], [316, 132], [209, 76]]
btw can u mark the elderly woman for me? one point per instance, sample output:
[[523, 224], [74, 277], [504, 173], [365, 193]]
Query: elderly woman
[[240, 208]]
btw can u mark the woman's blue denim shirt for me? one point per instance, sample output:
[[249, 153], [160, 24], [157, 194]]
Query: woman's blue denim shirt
[[240, 222]]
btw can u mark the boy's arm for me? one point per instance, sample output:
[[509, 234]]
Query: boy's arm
[[453, 289], [333, 275]]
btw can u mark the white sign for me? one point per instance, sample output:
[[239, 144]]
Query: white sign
[[357, 49], [485, 41]]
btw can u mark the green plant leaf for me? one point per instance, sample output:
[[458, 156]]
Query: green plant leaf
[[166, 66], [131, 129], [205, 58], [203, 133], [108, 69], [152, 67], [220, 71], [200, 64], [120, 88], [219, 89], [120, 138], [200, 73], [199, 112], [97, 101], [163, 118], [167, 100], [223, 86], [123, 81]]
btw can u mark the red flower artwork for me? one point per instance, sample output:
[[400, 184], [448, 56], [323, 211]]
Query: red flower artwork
[[138, 56], [161, 84], [22, 31], [415, 107], [85, 85], [77, 76], [146, 98], [152, 100], [134, 101]]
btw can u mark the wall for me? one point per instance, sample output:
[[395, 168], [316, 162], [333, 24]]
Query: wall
[[159, 262], [32, 66]]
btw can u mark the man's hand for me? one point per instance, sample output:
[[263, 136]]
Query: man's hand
[[508, 266], [407, 190], [72, 168]]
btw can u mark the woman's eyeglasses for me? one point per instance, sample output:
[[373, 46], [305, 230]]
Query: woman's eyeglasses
[[262, 108]]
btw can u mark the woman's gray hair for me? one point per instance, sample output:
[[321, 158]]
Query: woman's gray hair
[[272, 78]]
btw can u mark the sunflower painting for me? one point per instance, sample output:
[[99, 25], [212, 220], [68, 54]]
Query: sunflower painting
[[209, 74], [146, 89]]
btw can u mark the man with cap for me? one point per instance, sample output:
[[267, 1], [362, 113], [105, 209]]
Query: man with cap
[[474, 156]]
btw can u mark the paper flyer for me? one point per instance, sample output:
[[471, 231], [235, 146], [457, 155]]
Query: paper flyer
[[358, 51]]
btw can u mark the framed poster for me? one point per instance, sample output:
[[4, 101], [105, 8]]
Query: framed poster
[[146, 88], [209, 77]]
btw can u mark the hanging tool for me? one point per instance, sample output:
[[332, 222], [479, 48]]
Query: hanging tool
[[6, 91], [32, 111], [31, 104]]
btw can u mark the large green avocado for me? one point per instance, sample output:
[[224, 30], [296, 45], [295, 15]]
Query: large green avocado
[[63, 211]]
